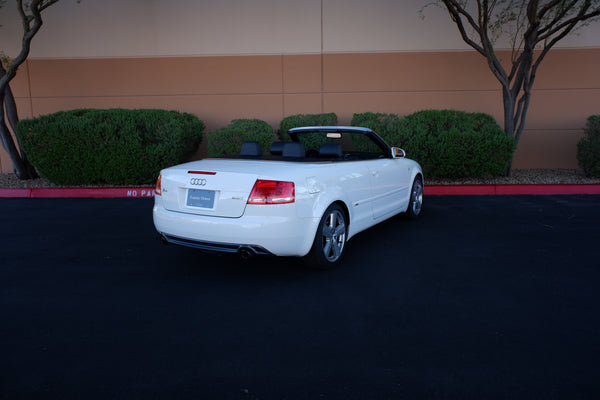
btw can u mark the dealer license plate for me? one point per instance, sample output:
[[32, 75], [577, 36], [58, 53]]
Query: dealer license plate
[[201, 198]]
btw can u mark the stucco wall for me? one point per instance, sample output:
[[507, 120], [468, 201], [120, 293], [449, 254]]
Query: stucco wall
[[163, 28], [226, 59]]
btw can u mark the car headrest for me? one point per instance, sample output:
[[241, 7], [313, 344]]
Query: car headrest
[[330, 150], [293, 150], [251, 149], [277, 148]]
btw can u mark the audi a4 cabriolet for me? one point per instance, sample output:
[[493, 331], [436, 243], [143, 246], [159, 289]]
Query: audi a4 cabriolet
[[305, 197]]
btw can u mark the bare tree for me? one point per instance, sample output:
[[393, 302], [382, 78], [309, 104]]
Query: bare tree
[[31, 18], [533, 28]]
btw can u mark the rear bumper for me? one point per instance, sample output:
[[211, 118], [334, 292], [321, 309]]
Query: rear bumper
[[216, 247], [280, 232]]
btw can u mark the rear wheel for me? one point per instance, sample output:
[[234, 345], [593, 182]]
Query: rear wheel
[[416, 199], [330, 240]]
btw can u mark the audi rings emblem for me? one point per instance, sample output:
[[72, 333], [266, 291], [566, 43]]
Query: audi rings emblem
[[198, 181]]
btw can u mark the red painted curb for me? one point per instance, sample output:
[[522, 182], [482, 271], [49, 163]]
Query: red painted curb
[[548, 189], [535, 189], [133, 192], [14, 193], [460, 190], [92, 192], [435, 190]]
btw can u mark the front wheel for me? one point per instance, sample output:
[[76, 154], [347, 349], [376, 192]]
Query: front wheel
[[415, 204], [330, 240]]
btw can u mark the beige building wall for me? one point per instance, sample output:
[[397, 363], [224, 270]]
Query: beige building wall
[[226, 59]]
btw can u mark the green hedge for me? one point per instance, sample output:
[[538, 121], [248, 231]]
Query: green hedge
[[228, 140], [295, 121], [588, 148], [114, 146], [121, 147], [447, 143], [386, 125]]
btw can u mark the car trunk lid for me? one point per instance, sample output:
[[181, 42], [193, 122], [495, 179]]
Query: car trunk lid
[[207, 187]]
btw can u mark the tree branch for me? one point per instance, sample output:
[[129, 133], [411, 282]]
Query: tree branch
[[567, 27], [47, 4], [456, 11], [569, 24], [486, 49], [29, 33], [560, 14]]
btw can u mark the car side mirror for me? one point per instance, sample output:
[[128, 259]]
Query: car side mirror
[[398, 152]]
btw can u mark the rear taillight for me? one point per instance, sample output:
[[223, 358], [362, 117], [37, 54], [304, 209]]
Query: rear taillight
[[272, 192], [158, 188]]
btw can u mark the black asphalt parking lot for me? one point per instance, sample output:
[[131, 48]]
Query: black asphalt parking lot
[[482, 298]]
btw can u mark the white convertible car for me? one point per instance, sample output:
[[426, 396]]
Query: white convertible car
[[304, 198]]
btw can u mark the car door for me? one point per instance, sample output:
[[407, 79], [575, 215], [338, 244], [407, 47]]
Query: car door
[[389, 186], [355, 179]]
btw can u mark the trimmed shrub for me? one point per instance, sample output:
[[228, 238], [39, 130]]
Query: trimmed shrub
[[456, 154], [588, 148], [295, 121], [114, 146], [228, 140], [386, 125], [447, 143], [456, 144]]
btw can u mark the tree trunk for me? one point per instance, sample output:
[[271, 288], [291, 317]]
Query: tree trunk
[[509, 121], [8, 113], [31, 17]]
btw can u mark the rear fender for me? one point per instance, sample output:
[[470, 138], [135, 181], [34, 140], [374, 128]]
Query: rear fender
[[416, 171], [416, 174], [324, 200]]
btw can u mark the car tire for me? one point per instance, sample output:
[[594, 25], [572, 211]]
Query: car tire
[[415, 204], [330, 240]]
